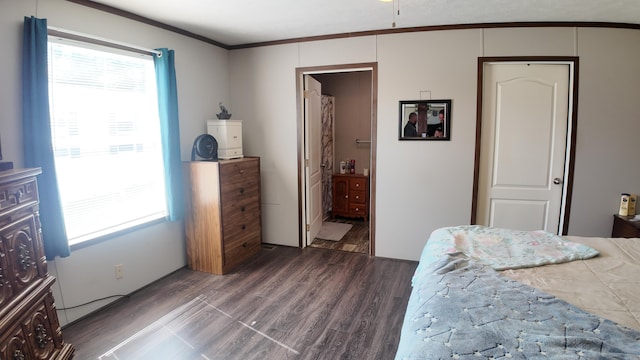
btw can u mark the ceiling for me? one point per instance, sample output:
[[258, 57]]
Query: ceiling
[[240, 22]]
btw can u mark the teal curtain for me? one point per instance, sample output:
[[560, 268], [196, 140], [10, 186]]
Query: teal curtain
[[36, 130], [170, 131]]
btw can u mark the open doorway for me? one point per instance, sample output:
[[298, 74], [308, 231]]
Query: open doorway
[[347, 136]]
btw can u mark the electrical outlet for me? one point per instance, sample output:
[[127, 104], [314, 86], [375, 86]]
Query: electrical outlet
[[119, 271]]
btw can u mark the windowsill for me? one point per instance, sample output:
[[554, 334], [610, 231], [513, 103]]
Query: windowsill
[[106, 237]]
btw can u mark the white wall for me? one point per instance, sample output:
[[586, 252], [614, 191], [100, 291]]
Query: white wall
[[421, 186], [266, 108], [608, 140], [203, 81]]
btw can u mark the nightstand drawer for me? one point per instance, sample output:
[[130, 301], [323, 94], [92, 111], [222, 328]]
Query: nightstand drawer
[[358, 183], [357, 209], [357, 197]]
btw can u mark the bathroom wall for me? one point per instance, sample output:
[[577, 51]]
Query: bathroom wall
[[352, 92]]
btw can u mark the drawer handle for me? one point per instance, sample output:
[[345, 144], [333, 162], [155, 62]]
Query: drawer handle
[[41, 336], [242, 208], [24, 257], [346, 196], [244, 226], [18, 195], [357, 185], [357, 209], [241, 190], [18, 355], [241, 172], [244, 244], [357, 197]]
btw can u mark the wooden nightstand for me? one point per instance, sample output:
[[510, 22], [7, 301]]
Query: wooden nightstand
[[625, 227], [350, 195]]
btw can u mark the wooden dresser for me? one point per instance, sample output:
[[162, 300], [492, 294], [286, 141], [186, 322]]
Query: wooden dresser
[[350, 195], [29, 327], [223, 216]]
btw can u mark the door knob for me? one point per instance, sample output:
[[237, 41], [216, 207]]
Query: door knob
[[557, 181]]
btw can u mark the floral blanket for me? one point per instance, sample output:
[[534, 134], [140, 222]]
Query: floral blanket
[[503, 248]]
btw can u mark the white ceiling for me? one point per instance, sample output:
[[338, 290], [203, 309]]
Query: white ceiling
[[237, 22]]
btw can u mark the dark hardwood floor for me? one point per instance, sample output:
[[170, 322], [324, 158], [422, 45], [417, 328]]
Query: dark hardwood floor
[[286, 303], [355, 240]]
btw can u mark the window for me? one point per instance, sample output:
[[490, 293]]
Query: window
[[106, 138]]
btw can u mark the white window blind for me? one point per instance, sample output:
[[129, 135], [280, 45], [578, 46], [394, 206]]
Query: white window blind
[[106, 138]]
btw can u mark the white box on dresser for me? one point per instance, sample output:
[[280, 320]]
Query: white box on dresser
[[228, 134]]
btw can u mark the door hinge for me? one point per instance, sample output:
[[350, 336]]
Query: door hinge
[[306, 162], [306, 94], [308, 227]]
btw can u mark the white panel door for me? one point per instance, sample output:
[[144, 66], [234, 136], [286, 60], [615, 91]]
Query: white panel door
[[523, 146], [313, 155]]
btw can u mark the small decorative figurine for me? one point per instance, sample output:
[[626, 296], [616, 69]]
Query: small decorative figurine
[[224, 114]]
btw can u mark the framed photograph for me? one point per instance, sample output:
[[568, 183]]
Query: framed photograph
[[425, 120]]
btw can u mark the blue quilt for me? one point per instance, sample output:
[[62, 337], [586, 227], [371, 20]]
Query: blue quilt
[[461, 308]]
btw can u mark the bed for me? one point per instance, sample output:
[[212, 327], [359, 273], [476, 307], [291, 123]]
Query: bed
[[489, 293]]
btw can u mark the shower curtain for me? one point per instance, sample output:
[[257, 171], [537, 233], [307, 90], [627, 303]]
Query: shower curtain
[[328, 114]]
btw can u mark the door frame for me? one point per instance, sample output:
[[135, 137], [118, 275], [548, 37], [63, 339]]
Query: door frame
[[573, 62], [302, 201]]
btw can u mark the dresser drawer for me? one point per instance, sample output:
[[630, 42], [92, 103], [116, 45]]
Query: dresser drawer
[[17, 195], [240, 248], [239, 255], [239, 239], [6, 288], [240, 225], [238, 170], [23, 254], [36, 334], [239, 191], [13, 345], [239, 206]]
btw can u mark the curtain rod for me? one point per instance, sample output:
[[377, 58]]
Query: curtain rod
[[73, 35]]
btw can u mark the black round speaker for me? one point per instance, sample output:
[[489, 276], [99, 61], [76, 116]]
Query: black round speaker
[[205, 147]]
